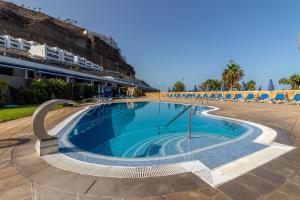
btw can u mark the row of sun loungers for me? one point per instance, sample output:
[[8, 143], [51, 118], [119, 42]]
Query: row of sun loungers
[[263, 98]]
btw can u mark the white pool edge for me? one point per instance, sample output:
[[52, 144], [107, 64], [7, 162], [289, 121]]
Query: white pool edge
[[213, 177]]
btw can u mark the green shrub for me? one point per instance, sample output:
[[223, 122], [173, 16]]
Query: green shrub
[[89, 90], [59, 87], [39, 91]]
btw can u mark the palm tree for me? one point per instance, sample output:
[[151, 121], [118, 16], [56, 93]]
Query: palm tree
[[232, 75], [284, 81], [293, 81]]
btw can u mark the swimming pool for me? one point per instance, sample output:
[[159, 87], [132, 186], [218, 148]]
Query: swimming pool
[[147, 133]]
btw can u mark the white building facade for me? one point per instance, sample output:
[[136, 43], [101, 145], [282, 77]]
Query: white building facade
[[7, 41], [54, 53], [46, 52]]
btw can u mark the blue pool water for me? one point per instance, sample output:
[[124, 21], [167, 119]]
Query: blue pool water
[[138, 130]]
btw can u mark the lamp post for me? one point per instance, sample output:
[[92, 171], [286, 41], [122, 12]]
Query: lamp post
[[159, 91]]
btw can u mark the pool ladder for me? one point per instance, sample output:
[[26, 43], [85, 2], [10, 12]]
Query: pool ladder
[[189, 109]]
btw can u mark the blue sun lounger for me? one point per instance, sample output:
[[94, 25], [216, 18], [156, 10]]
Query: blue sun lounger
[[238, 97], [188, 96], [228, 97], [263, 98], [212, 96], [199, 96], [183, 95], [205, 96], [220, 97], [178, 95], [296, 99], [279, 98], [250, 97]]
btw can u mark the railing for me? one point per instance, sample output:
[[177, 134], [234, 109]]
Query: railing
[[188, 108]]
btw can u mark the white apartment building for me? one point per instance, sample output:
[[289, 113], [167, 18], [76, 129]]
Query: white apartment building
[[98, 67], [46, 52], [107, 39], [57, 54], [89, 64], [8, 41], [81, 61]]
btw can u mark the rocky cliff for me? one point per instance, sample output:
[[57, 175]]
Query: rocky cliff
[[33, 25]]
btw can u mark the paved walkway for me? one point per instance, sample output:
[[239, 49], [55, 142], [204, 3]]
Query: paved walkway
[[23, 175]]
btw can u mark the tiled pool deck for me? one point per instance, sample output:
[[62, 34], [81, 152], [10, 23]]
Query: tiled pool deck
[[23, 175]]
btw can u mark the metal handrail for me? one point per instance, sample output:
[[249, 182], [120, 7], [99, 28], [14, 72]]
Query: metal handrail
[[178, 115]]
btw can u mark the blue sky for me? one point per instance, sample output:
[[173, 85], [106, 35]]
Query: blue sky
[[168, 40]]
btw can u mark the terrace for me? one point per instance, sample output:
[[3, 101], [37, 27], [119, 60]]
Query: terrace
[[25, 172]]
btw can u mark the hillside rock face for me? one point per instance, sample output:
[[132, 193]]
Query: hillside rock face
[[30, 25]]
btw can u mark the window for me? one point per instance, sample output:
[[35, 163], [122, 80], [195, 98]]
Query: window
[[14, 45], [52, 56]]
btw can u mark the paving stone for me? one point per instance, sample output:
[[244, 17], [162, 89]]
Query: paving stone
[[12, 181], [269, 175], [237, 191], [181, 182], [64, 180], [7, 172], [280, 196], [291, 189], [48, 193], [19, 192], [145, 198], [155, 186], [220, 196], [189, 195], [130, 188], [255, 183], [208, 191], [104, 187]]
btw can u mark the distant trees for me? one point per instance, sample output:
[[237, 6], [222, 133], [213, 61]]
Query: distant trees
[[232, 75], [250, 85], [293, 81], [213, 84], [178, 87]]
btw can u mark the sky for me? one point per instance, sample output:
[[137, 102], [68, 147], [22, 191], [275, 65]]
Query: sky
[[193, 40]]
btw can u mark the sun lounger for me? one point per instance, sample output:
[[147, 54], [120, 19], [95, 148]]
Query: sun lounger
[[296, 99], [250, 97], [220, 97], [238, 97], [263, 98], [279, 98], [228, 97], [199, 96], [212, 96], [205, 96]]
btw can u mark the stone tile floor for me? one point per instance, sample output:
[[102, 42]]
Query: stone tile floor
[[23, 175]]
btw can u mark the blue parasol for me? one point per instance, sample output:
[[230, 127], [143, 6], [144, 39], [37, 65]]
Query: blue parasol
[[243, 88], [271, 85], [222, 87], [207, 87]]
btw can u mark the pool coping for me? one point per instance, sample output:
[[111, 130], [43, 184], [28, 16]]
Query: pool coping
[[213, 177]]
